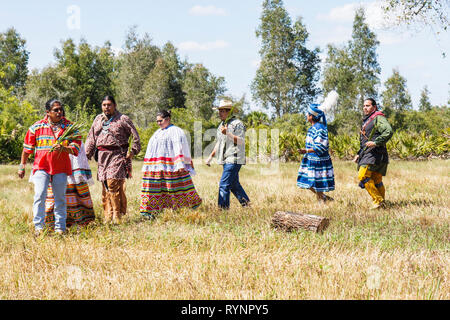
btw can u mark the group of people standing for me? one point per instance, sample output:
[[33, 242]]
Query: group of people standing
[[61, 173]]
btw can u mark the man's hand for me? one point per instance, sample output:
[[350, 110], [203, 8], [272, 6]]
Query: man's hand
[[302, 151], [60, 148], [23, 163], [208, 161], [223, 129], [129, 155], [370, 144], [355, 160], [21, 173]]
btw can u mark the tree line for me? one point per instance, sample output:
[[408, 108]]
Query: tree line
[[146, 78]]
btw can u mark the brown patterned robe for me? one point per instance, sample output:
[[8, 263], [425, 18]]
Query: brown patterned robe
[[112, 162]]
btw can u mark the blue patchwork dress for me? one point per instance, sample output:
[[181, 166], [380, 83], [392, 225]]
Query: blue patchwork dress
[[316, 169]]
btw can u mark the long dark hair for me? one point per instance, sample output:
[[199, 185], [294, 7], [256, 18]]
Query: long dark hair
[[49, 104], [110, 98], [372, 100], [164, 114]]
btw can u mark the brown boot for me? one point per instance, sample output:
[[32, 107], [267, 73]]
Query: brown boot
[[117, 218]]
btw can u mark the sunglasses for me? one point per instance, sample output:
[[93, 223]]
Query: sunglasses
[[160, 121], [58, 110]]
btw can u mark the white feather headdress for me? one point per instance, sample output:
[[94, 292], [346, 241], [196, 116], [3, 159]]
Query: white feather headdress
[[330, 102]]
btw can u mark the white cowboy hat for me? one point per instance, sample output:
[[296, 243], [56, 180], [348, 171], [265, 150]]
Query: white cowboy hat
[[225, 104]]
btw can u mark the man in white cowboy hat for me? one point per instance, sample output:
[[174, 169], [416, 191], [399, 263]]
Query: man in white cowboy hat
[[230, 150]]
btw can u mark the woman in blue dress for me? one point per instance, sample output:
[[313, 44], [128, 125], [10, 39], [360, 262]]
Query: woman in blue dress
[[316, 170]]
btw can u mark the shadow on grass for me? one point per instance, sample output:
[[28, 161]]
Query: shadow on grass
[[404, 203]]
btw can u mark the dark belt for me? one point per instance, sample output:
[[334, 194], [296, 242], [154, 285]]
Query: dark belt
[[112, 148]]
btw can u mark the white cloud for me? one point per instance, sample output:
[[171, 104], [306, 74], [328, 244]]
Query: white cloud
[[375, 18], [339, 35], [345, 13], [207, 46], [388, 38], [375, 15], [207, 11]]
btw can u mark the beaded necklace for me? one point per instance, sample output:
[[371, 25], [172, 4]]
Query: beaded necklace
[[55, 126]]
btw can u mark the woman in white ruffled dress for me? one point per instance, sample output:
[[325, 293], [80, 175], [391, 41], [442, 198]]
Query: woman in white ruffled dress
[[167, 169]]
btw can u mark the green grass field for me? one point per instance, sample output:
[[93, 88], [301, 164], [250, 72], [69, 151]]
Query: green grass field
[[401, 252]]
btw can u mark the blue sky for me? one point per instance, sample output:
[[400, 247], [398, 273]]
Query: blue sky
[[221, 35]]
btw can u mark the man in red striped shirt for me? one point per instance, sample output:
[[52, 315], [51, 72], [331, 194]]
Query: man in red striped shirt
[[49, 167]]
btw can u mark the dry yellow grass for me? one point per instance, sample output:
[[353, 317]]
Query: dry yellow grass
[[398, 253]]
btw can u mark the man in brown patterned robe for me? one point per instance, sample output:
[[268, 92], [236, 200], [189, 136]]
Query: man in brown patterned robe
[[110, 134]]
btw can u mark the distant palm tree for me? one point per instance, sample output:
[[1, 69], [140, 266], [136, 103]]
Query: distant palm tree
[[256, 118]]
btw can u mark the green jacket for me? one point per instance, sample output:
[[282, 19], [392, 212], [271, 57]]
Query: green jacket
[[378, 131]]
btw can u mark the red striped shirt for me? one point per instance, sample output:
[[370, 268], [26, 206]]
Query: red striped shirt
[[40, 138]]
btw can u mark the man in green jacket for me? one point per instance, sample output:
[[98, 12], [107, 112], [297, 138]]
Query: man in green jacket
[[372, 158]]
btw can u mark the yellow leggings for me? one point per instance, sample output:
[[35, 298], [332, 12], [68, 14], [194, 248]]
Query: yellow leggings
[[373, 182]]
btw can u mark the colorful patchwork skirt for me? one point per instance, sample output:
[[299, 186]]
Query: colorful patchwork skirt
[[165, 189], [80, 209], [317, 173]]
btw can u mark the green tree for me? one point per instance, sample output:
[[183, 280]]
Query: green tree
[[339, 75], [396, 100], [423, 13], [363, 48], [156, 93], [14, 58], [448, 101], [175, 71], [431, 121], [15, 118], [256, 118], [135, 64], [202, 88], [81, 76], [89, 73], [286, 80], [396, 96], [353, 71], [424, 103], [46, 84]]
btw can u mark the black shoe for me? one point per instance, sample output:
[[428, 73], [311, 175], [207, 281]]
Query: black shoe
[[149, 217]]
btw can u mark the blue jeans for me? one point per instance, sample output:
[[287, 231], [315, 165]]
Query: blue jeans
[[230, 182], [41, 180]]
